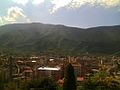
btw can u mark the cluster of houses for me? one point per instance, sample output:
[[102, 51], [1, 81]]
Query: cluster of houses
[[27, 68], [38, 67]]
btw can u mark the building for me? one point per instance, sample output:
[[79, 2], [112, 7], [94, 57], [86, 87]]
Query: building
[[50, 72]]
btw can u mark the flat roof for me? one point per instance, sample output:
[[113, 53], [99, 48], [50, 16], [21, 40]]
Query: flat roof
[[49, 68], [33, 61]]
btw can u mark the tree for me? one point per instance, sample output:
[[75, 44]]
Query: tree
[[10, 66], [100, 81], [69, 78], [1, 81]]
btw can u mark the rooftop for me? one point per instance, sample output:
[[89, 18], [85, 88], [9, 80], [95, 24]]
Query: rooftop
[[49, 68]]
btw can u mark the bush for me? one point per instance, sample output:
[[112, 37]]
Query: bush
[[44, 84]]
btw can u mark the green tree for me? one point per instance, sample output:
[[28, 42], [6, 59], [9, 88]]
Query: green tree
[[1, 81], [69, 78], [100, 81]]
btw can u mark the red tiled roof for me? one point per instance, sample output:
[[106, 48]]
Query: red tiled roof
[[80, 78], [28, 71]]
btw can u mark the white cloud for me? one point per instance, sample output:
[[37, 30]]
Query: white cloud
[[79, 3], [109, 3], [23, 2], [14, 14], [57, 4], [37, 2], [1, 21]]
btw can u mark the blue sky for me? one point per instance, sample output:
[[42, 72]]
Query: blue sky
[[79, 13]]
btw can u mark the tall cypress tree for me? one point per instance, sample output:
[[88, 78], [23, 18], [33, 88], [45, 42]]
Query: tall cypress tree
[[69, 78]]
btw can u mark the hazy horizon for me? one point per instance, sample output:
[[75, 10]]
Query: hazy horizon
[[62, 24]]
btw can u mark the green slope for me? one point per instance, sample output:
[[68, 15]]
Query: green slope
[[58, 39]]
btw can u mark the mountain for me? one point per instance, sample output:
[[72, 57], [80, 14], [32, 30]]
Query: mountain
[[38, 38]]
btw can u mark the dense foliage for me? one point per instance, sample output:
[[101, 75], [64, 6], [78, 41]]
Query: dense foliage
[[69, 78], [42, 84], [99, 81]]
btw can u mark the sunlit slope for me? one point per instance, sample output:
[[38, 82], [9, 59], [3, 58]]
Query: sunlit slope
[[39, 38]]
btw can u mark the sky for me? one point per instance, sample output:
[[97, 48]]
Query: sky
[[78, 13]]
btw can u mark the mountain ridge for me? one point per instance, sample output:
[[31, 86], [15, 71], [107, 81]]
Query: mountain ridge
[[58, 39]]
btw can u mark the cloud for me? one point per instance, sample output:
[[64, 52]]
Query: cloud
[[57, 4], [1, 21], [23, 2], [110, 3], [37, 2], [13, 15]]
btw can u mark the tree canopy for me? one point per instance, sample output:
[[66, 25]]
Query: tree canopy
[[69, 78]]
